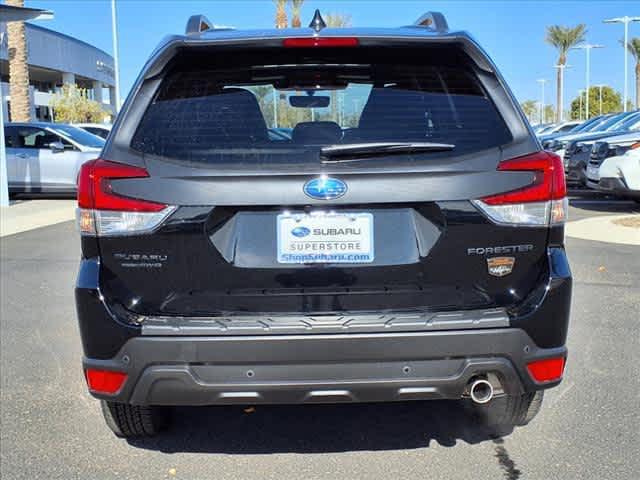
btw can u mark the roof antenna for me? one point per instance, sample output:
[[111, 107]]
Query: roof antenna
[[317, 23]]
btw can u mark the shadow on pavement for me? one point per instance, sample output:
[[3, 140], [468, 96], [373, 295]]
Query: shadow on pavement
[[319, 428], [604, 204]]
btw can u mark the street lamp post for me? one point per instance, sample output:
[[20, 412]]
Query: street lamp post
[[114, 38], [542, 81], [580, 92], [601, 86], [587, 48], [625, 21]]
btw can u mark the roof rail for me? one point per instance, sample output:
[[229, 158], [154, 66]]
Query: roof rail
[[433, 20], [198, 24]]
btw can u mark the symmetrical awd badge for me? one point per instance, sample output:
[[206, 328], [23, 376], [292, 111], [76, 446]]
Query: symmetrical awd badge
[[500, 266]]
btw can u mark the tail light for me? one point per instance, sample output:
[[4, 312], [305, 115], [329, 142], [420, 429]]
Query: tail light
[[105, 381], [102, 212], [543, 202], [547, 370]]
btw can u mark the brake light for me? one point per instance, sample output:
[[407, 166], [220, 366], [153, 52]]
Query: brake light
[[95, 191], [635, 145], [320, 42], [105, 381], [542, 202], [547, 370], [103, 212]]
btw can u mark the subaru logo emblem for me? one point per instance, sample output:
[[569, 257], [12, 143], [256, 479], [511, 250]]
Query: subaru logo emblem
[[300, 232], [325, 188]]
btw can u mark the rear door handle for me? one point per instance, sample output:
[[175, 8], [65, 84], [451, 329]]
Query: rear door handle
[[22, 155]]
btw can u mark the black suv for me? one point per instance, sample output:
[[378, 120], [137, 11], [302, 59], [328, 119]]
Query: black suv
[[321, 215]]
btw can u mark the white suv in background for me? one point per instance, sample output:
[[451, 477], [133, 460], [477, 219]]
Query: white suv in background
[[619, 175]]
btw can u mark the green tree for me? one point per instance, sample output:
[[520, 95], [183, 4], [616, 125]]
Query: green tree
[[530, 109], [549, 113], [634, 49], [611, 102], [337, 20], [72, 105], [563, 38]]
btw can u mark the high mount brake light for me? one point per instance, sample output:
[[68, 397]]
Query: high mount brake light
[[543, 202], [102, 212], [320, 42]]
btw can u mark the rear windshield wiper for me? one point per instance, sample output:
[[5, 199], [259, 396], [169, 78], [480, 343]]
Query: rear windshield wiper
[[352, 152]]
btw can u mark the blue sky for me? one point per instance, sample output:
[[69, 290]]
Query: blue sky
[[511, 31]]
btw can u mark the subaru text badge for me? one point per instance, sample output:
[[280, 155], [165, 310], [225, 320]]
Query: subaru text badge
[[325, 188]]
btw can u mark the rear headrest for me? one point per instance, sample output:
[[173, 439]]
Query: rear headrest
[[320, 133], [407, 114], [397, 111], [43, 141], [232, 116]]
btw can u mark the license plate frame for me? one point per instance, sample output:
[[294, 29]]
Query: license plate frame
[[325, 238]]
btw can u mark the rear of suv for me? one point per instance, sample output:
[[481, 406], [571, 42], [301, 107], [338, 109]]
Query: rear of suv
[[321, 215]]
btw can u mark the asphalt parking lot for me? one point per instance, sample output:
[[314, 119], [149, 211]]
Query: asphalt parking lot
[[51, 428]]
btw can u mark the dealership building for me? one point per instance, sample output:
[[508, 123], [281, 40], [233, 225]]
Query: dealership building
[[56, 59]]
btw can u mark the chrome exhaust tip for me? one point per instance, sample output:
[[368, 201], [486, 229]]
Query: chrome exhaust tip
[[481, 391]]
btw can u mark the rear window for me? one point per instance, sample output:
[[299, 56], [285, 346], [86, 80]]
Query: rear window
[[281, 106]]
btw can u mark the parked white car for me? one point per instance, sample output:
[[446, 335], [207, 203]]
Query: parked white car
[[46, 157], [619, 175], [100, 129], [560, 128]]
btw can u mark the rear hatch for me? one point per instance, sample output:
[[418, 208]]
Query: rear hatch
[[347, 178]]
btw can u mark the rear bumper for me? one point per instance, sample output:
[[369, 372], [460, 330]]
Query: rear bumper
[[321, 368], [195, 365], [613, 185]]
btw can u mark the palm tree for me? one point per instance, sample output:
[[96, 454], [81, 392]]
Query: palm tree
[[634, 49], [296, 5], [563, 38], [337, 20], [281, 13], [18, 69]]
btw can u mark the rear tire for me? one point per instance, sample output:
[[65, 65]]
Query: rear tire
[[134, 420], [511, 410]]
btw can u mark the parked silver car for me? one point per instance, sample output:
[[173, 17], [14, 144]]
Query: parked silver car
[[46, 157]]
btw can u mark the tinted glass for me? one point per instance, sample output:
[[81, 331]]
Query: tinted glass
[[100, 132], [32, 137], [80, 136], [237, 108], [630, 122], [614, 122], [9, 133], [566, 128]]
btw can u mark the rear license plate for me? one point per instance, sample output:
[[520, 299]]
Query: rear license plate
[[593, 173], [325, 238]]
